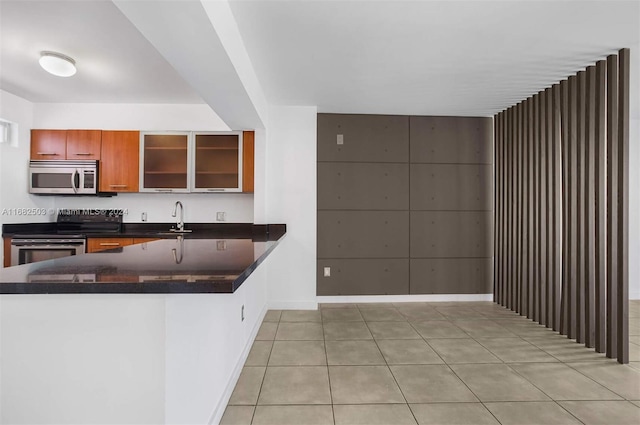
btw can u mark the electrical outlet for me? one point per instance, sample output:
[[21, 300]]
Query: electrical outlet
[[221, 245], [221, 216], [144, 216], [242, 313], [327, 272], [340, 139]]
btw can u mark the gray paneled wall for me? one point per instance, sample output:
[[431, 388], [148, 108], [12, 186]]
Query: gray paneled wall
[[405, 205], [562, 211]]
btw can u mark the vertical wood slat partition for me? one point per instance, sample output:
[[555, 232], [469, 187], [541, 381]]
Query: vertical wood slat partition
[[561, 223]]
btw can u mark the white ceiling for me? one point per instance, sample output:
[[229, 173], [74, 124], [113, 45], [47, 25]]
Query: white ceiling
[[428, 57], [368, 56], [116, 64]]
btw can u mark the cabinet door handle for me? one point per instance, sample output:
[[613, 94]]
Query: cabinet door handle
[[117, 185], [215, 190], [83, 153], [109, 243], [164, 190], [46, 153]]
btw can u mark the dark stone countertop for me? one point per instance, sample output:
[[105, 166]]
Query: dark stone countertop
[[215, 258], [156, 230]]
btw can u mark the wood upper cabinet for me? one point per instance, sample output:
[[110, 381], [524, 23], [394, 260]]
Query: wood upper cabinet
[[83, 144], [120, 161], [48, 144], [248, 153], [65, 144]]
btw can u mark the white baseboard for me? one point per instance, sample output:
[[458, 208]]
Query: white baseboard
[[293, 305], [216, 416], [634, 295], [404, 298]]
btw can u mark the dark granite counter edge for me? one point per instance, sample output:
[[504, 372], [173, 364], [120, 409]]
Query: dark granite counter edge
[[160, 230], [274, 233]]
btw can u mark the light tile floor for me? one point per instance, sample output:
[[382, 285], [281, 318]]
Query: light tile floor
[[429, 363]]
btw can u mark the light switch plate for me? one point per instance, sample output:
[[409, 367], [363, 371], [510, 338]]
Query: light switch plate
[[340, 139], [327, 272], [221, 216]]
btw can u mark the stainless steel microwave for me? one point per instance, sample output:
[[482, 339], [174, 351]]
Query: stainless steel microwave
[[63, 177]]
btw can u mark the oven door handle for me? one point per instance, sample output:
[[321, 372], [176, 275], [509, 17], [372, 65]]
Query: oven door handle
[[75, 176]]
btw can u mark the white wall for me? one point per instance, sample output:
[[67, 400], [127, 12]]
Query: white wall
[[291, 185], [14, 160], [14, 185], [119, 116], [198, 207]]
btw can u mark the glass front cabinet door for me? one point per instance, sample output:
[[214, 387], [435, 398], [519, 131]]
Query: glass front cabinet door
[[191, 161], [164, 161], [217, 162]]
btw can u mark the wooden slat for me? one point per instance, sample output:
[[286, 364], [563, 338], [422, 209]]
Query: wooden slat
[[589, 212], [623, 207], [601, 207], [554, 236], [505, 210], [531, 208], [549, 205], [564, 118], [536, 209], [612, 205], [557, 214], [521, 218], [525, 207], [518, 178], [507, 181], [572, 206], [512, 203], [580, 275], [496, 209], [514, 208], [543, 208]]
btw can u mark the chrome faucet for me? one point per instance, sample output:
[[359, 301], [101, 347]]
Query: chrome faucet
[[180, 221]]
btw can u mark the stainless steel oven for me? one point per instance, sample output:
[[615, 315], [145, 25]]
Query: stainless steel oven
[[27, 249], [63, 177]]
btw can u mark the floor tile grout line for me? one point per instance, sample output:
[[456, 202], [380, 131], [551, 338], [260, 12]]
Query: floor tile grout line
[[567, 410], [439, 355], [255, 408], [326, 357], [490, 412], [451, 369], [523, 340], [602, 385], [601, 356], [392, 375]]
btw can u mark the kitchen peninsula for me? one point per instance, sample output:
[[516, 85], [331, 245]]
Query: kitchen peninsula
[[170, 323]]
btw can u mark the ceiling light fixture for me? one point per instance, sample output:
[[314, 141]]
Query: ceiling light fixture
[[57, 64]]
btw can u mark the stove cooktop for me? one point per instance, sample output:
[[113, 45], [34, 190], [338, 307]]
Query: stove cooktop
[[73, 221]]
